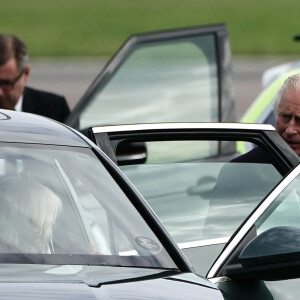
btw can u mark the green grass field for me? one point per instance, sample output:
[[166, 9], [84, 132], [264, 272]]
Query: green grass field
[[99, 27]]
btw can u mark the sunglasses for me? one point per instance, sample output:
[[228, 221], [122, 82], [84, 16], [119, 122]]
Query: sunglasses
[[9, 83]]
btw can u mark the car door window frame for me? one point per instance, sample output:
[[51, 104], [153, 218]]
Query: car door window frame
[[247, 231], [262, 135], [226, 111]]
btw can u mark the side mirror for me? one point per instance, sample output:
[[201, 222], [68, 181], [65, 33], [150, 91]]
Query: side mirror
[[273, 255], [131, 153], [122, 152]]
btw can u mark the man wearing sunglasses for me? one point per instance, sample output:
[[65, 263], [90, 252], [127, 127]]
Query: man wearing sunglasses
[[14, 74]]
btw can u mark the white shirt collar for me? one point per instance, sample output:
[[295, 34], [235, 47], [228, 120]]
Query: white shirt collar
[[18, 106]]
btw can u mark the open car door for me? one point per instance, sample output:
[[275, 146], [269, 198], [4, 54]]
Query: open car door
[[168, 76], [186, 173]]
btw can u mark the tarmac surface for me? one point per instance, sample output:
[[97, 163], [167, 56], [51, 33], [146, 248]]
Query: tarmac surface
[[71, 77]]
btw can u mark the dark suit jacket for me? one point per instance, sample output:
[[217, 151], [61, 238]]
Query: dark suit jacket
[[45, 104], [256, 155]]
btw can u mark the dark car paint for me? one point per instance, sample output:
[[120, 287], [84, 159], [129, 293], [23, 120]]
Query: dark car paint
[[30, 128], [89, 282], [93, 276]]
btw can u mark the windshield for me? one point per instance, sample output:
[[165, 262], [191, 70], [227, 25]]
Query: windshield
[[60, 205]]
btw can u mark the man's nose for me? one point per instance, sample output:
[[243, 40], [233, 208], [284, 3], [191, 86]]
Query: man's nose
[[292, 127]]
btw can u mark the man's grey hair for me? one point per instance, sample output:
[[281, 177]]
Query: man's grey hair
[[291, 83], [12, 47]]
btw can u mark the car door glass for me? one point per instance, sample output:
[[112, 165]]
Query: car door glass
[[166, 81], [284, 210], [199, 199], [173, 151]]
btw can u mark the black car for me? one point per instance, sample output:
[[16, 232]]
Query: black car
[[73, 226]]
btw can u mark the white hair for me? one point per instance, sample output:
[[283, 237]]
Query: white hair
[[28, 211], [291, 83]]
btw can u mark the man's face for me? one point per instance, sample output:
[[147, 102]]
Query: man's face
[[10, 93], [288, 118]]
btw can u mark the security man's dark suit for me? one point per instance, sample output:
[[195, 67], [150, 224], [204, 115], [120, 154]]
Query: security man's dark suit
[[45, 104]]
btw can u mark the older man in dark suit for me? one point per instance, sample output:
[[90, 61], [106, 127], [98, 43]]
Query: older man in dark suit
[[287, 120], [14, 74]]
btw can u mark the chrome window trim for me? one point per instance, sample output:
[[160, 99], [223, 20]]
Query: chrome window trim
[[202, 243], [194, 125], [246, 227]]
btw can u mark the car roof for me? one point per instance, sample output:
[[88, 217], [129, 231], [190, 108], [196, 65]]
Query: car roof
[[21, 127]]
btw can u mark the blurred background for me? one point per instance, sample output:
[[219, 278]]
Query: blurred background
[[69, 41]]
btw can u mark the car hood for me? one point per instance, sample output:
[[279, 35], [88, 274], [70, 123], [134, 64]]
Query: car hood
[[98, 282]]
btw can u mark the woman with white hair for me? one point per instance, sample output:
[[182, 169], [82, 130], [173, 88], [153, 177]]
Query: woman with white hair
[[28, 211]]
